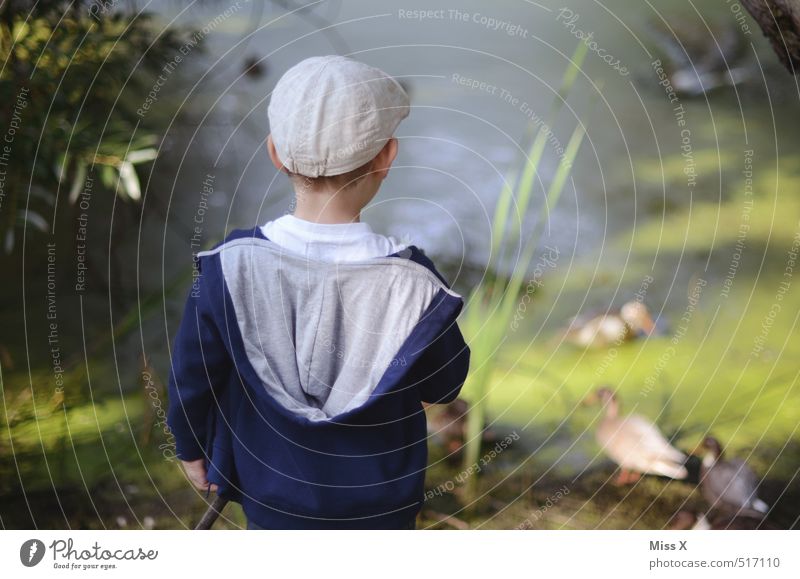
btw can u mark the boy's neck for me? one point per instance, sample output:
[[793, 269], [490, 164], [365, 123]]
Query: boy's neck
[[329, 207], [327, 215]]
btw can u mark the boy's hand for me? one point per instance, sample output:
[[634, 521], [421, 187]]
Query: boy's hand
[[196, 471]]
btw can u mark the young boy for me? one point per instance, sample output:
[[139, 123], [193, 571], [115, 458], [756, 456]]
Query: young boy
[[308, 345]]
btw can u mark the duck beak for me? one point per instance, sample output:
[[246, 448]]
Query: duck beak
[[648, 325], [698, 450], [590, 399]]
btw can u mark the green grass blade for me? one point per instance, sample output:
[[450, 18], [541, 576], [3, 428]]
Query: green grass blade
[[492, 304], [536, 151]]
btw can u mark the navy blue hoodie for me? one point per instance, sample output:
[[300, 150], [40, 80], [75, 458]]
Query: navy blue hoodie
[[300, 382]]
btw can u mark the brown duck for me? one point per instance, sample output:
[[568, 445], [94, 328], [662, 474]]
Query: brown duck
[[635, 443], [631, 321]]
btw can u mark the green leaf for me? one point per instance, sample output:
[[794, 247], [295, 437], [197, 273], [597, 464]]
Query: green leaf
[[141, 156], [20, 30], [108, 176], [61, 166], [9, 240], [130, 181], [77, 183], [34, 219]]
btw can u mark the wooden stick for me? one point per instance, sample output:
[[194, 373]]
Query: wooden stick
[[211, 514], [454, 522]]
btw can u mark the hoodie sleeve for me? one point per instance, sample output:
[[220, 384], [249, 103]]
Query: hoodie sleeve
[[443, 367], [200, 366]]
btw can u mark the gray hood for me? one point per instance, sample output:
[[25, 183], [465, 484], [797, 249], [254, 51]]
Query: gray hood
[[321, 335]]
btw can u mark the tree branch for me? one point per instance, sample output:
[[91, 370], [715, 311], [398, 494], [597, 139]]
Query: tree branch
[[780, 22]]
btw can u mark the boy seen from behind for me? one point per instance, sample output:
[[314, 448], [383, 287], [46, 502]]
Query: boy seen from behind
[[309, 345]]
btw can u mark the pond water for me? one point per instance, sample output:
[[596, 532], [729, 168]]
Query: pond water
[[481, 76]]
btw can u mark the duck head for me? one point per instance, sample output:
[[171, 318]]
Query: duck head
[[712, 450], [637, 316], [606, 397]]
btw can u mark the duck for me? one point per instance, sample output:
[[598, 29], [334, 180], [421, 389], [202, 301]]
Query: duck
[[633, 320], [729, 485], [254, 67], [447, 423], [635, 443], [698, 63], [689, 521]]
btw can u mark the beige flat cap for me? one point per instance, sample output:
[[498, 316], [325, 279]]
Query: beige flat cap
[[330, 114]]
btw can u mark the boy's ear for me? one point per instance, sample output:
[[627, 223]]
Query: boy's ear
[[273, 155], [383, 161]]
